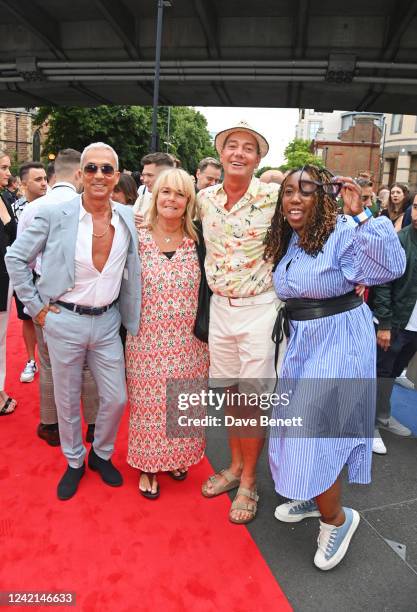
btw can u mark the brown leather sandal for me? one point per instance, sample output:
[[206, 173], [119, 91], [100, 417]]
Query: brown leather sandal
[[250, 507], [217, 487]]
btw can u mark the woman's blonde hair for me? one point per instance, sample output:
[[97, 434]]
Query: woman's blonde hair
[[180, 180]]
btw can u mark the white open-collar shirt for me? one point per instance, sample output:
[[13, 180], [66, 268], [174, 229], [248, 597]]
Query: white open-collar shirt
[[93, 288]]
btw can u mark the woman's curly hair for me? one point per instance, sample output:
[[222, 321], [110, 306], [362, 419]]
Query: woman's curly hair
[[320, 225]]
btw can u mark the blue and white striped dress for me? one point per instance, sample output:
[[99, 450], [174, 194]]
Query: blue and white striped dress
[[336, 347]]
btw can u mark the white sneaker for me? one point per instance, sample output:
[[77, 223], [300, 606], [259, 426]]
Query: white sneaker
[[378, 445], [29, 372], [403, 381], [394, 427], [296, 511], [333, 542]]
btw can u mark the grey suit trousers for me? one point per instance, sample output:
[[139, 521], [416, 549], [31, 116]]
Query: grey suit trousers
[[72, 340], [89, 395]]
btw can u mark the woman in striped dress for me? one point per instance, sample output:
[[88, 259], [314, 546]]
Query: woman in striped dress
[[320, 256]]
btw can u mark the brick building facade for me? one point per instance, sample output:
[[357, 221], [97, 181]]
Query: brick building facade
[[357, 148], [400, 150], [18, 133]]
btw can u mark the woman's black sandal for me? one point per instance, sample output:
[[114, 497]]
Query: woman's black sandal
[[149, 494]]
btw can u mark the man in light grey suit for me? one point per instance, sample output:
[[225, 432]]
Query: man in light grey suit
[[90, 283]]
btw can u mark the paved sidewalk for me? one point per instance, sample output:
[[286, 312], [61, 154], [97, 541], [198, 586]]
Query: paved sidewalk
[[374, 575]]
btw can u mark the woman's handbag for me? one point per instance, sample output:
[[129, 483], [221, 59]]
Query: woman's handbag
[[201, 326]]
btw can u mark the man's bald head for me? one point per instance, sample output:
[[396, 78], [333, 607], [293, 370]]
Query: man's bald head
[[272, 176]]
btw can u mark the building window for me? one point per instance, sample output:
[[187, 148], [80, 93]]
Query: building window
[[347, 122], [36, 146], [313, 128], [396, 124]]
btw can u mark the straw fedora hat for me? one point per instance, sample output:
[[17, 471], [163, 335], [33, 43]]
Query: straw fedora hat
[[242, 126]]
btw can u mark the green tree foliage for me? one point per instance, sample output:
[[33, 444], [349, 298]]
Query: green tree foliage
[[297, 153], [128, 130], [14, 164], [125, 128], [189, 138]]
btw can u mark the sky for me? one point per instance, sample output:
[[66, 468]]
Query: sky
[[276, 124]]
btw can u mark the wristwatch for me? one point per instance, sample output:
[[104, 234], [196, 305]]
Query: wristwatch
[[363, 216]]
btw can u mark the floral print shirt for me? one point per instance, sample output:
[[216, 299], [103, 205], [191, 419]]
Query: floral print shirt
[[235, 239]]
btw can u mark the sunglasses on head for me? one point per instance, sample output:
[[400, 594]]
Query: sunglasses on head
[[106, 169], [308, 186]]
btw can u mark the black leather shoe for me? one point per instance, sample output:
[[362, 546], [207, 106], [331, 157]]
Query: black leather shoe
[[89, 436], [106, 469], [68, 485], [49, 434]]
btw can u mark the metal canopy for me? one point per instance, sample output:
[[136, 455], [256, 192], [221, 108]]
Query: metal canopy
[[325, 54]]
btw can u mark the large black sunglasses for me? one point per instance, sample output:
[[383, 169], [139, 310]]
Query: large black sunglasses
[[106, 169], [309, 186]]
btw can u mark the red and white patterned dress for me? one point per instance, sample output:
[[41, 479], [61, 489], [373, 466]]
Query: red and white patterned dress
[[165, 347]]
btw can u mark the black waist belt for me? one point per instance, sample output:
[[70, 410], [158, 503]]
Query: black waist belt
[[307, 310], [87, 310]]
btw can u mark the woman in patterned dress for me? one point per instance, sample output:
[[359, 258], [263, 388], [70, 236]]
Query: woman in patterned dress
[[165, 347], [320, 256]]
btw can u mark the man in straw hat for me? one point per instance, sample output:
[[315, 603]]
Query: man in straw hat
[[235, 216]]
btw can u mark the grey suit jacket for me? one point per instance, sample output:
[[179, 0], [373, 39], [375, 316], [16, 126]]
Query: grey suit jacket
[[53, 233]]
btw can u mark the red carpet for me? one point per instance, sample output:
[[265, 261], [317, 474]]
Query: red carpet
[[116, 550]]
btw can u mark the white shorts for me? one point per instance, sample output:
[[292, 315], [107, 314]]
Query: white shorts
[[240, 343]]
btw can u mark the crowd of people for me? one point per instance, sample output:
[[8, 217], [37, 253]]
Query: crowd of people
[[241, 282]]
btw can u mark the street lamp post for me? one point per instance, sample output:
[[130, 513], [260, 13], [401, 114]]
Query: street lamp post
[[154, 138], [169, 128], [382, 151], [17, 136]]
